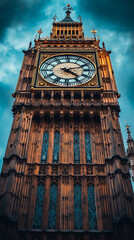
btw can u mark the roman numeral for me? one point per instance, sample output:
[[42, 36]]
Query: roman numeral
[[77, 60], [84, 65], [77, 80], [56, 80], [57, 60], [51, 74], [84, 75]]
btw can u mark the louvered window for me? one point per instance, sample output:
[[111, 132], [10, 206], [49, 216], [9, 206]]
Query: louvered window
[[52, 207], [38, 206], [91, 207], [77, 207], [56, 147], [88, 148], [76, 148], [44, 147]]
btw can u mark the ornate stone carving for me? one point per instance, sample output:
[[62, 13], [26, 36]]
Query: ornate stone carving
[[65, 170], [89, 169], [54, 170], [77, 170], [30, 170], [42, 170]]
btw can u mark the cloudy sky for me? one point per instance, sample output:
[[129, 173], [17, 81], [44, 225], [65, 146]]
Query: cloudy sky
[[19, 22]]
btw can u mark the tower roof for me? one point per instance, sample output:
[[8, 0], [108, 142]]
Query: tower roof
[[67, 28], [67, 17]]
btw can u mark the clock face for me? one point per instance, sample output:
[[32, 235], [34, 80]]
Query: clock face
[[67, 70]]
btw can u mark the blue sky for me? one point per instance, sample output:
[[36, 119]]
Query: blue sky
[[19, 22]]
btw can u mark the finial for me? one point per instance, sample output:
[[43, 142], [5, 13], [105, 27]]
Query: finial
[[68, 8], [128, 131], [94, 32], [98, 38], [54, 18], [127, 126], [35, 38], [30, 44], [103, 44], [40, 32], [80, 18]]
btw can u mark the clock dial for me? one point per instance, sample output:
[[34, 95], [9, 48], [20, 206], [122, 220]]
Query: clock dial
[[67, 70]]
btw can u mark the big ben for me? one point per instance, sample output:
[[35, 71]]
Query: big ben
[[65, 174]]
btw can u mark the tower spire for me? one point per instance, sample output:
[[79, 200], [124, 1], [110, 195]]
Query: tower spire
[[68, 8], [54, 18], [128, 132], [130, 151], [39, 32], [80, 18], [94, 33], [67, 28]]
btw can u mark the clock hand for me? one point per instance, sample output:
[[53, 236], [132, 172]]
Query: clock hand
[[75, 74], [68, 71], [78, 67]]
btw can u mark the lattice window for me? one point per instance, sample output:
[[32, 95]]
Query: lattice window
[[52, 207], [91, 207], [44, 147], [88, 148], [76, 148], [56, 147], [39, 206], [77, 207]]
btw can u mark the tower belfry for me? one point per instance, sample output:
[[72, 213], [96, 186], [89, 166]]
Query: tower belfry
[[67, 28], [65, 174]]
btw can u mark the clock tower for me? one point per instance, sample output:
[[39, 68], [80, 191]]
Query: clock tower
[[65, 174]]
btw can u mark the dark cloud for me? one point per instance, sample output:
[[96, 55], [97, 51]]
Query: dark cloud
[[14, 12], [5, 96], [116, 12]]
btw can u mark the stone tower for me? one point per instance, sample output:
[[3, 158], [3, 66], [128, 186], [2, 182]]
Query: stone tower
[[65, 174]]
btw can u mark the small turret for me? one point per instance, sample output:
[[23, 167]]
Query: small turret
[[130, 151]]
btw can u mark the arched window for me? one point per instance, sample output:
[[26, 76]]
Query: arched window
[[97, 96], [67, 96], [88, 148], [91, 207], [57, 96], [47, 96], [52, 207], [77, 207], [44, 147], [39, 206], [56, 147], [77, 96], [76, 148], [87, 96]]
